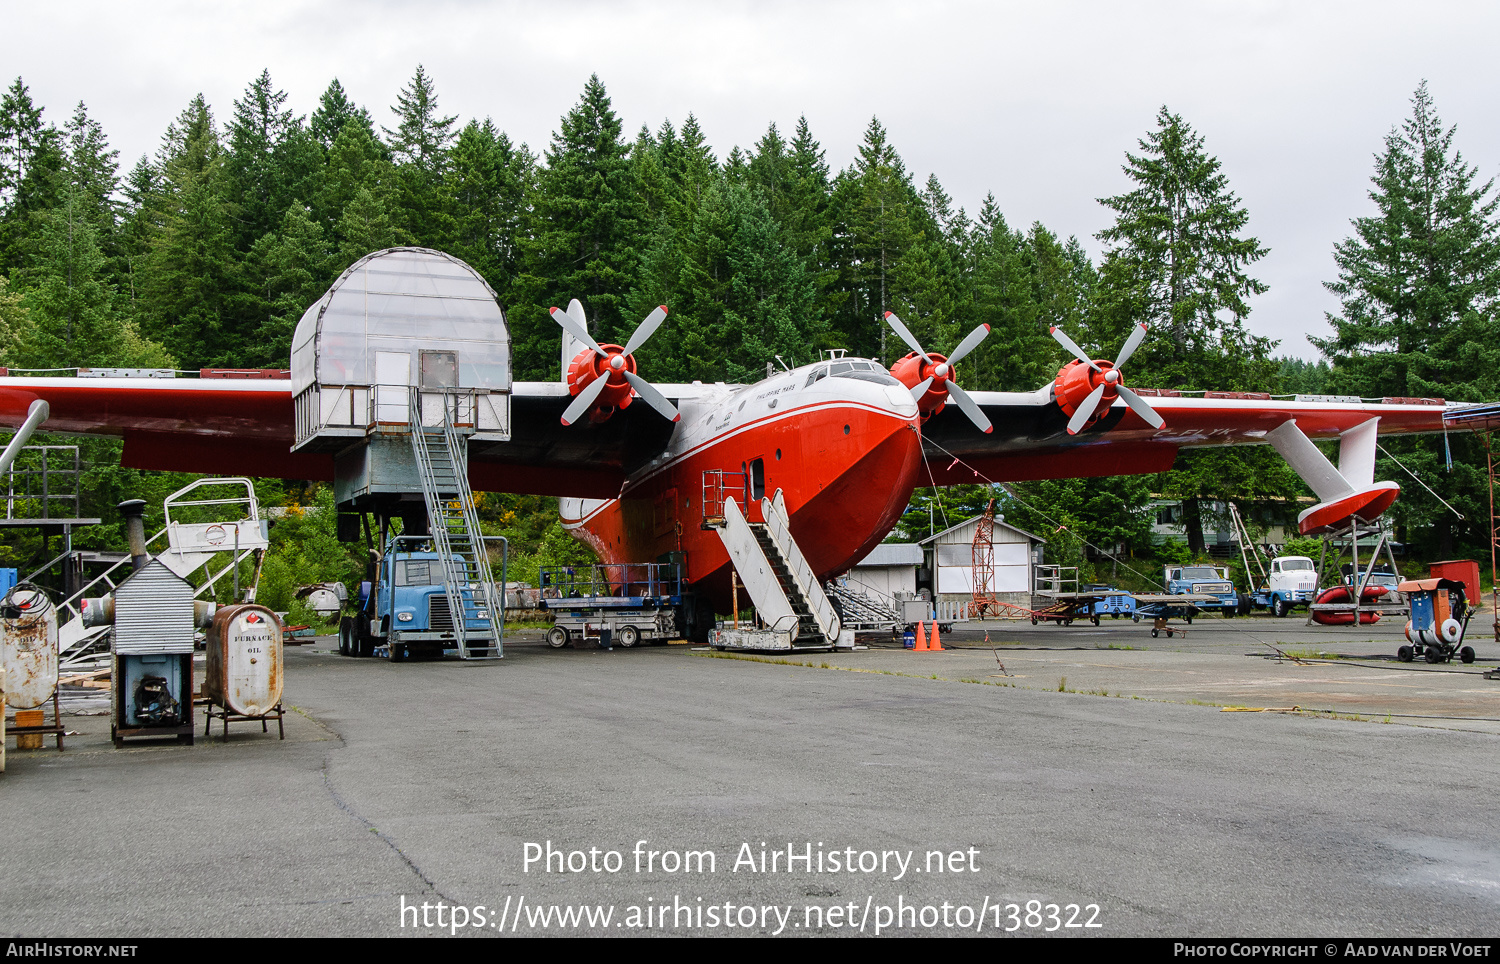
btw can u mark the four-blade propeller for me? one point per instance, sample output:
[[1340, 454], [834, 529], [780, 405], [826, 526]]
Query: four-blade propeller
[[617, 366], [937, 373], [1105, 378]]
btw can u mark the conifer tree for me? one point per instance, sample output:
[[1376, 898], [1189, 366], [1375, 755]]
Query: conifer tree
[[1178, 261], [192, 282], [483, 197], [585, 229], [875, 204], [1419, 286], [335, 110], [421, 143]]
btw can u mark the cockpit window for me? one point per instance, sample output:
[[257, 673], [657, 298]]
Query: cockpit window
[[865, 371]]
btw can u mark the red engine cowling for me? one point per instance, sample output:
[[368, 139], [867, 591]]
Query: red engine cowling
[[913, 370], [1076, 381], [587, 366]]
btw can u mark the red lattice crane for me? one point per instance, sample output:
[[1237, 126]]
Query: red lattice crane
[[983, 601]]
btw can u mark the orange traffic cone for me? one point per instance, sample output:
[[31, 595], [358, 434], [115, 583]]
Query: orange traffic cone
[[921, 646], [937, 646]]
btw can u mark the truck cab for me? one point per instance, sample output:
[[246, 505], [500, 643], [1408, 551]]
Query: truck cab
[[1292, 582], [1204, 580], [406, 608]]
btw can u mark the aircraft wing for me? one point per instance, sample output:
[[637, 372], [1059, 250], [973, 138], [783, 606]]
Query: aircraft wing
[[1031, 441], [246, 426]]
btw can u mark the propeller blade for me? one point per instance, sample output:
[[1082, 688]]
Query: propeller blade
[[646, 329], [1131, 344], [585, 400], [969, 343], [970, 409], [1085, 411], [573, 326], [1066, 342], [906, 336], [920, 390], [652, 397], [1138, 405]]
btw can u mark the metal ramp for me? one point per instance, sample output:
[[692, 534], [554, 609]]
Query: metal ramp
[[191, 545], [788, 598], [857, 610], [442, 464]]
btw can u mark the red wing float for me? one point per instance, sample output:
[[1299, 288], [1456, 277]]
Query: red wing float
[[822, 458]]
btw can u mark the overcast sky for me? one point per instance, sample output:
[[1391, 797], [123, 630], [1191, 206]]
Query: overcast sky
[[1034, 102]]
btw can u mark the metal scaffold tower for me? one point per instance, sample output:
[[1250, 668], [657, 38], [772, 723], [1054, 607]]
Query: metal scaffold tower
[[983, 601]]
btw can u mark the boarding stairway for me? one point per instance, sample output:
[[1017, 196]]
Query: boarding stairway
[[787, 596], [442, 464], [189, 547], [858, 611]]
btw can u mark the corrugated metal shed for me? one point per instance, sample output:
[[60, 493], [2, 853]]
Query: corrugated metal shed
[[153, 612]]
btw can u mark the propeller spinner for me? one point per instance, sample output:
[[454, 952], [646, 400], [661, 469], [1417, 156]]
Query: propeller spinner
[[602, 376], [930, 377], [1086, 387]]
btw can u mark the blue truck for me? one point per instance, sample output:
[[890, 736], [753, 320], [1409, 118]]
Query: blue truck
[[404, 608], [1204, 580]]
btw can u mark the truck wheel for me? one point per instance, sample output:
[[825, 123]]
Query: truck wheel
[[1279, 607], [397, 652], [557, 637], [628, 636], [346, 636]]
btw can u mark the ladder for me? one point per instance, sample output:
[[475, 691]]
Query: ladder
[[191, 547], [442, 464], [787, 596]]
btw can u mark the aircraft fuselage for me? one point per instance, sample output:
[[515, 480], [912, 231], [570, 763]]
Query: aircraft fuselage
[[840, 439]]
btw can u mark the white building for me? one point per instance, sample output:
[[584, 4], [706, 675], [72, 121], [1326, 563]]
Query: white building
[[949, 561], [889, 568]]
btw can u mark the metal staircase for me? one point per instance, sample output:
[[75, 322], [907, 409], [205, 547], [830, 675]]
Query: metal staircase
[[858, 611], [787, 596], [442, 464], [190, 546]]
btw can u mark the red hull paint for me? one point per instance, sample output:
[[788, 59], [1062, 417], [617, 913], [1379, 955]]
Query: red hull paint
[[843, 493], [1368, 505]]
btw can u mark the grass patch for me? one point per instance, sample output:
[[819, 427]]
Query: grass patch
[[1310, 654]]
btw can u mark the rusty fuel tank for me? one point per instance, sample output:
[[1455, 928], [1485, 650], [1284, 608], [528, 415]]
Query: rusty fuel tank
[[243, 671], [28, 646]]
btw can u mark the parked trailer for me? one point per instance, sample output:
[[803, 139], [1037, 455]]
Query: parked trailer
[[634, 601]]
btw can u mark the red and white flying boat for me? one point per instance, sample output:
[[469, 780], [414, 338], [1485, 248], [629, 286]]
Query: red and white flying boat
[[844, 440]]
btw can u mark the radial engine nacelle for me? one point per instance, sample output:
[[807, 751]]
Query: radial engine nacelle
[[616, 393], [1085, 388], [602, 378], [913, 370]]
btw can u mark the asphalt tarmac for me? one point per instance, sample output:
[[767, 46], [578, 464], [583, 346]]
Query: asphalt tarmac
[[1079, 781]]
